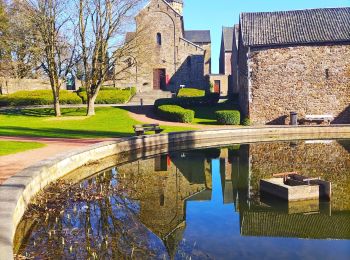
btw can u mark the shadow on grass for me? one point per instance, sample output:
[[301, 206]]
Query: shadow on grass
[[60, 133], [41, 112], [147, 111]]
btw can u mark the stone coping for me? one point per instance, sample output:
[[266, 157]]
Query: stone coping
[[17, 192]]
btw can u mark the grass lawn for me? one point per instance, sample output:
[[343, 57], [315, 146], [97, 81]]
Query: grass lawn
[[11, 147], [109, 122], [206, 115]]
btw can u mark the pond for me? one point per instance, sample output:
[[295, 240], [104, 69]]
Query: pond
[[200, 204]]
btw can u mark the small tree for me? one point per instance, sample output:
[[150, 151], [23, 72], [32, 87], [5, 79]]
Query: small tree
[[55, 28], [26, 53], [5, 51], [101, 27]]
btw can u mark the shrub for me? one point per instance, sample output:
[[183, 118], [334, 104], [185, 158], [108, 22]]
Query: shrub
[[111, 96], [175, 113], [228, 117], [246, 121], [38, 97], [190, 92], [209, 99]]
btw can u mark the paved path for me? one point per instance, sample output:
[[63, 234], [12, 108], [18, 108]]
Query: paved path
[[146, 114], [14, 163]]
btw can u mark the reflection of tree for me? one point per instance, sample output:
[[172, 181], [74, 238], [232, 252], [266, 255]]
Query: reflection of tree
[[94, 216]]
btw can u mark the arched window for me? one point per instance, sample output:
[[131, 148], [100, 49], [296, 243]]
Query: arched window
[[159, 38]]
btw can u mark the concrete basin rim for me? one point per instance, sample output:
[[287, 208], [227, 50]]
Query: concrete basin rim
[[13, 202]]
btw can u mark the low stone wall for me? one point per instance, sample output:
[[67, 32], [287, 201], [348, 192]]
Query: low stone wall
[[17, 192], [9, 86]]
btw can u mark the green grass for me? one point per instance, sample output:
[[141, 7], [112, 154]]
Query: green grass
[[191, 92], [11, 147], [206, 115], [109, 122]]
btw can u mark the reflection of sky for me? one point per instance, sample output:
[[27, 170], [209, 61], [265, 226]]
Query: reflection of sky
[[214, 228]]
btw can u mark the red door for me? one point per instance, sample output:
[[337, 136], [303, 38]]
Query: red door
[[156, 79], [159, 79], [217, 86]]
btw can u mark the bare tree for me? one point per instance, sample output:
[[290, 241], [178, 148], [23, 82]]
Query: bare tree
[[5, 50], [102, 24], [26, 53], [55, 31]]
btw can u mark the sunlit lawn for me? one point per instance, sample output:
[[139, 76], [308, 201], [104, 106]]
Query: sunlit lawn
[[11, 147], [109, 122]]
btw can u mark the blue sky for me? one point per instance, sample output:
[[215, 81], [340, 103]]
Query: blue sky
[[213, 14]]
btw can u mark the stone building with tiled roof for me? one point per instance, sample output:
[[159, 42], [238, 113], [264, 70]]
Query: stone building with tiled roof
[[173, 56], [294, 61]]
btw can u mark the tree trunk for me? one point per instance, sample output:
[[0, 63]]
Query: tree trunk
[[57, 105], [91, 106]]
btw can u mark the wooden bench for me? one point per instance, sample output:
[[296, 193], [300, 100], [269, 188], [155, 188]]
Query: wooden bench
[[319, 119], [142, 129]]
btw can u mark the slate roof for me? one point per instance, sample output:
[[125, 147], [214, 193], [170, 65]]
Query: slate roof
[[327, 25], [177, 1], [199, 36], [227, 35]]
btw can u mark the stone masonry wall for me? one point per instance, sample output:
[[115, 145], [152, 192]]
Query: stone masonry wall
[[9, 86], [305, 79]]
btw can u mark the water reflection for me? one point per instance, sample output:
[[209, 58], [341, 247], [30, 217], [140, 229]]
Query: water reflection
[[201, 204]]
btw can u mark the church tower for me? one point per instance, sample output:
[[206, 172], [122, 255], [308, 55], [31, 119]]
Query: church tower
[[178, 5]]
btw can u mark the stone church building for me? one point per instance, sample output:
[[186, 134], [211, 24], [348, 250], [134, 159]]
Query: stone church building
[[294, 61], [173, 57]]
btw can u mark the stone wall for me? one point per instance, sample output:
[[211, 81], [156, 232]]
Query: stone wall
[[306, 79], [234, 62], [9, 86]]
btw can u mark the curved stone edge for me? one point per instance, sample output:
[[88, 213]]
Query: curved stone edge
[[17, 192]]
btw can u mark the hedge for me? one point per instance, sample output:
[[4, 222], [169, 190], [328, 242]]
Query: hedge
[[209, 99], [228, 117], [38, 97], [175, 113], [190, 92], [110, 96]]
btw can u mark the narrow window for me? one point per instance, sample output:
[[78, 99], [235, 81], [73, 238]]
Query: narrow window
[[159, 39], [327, 73]]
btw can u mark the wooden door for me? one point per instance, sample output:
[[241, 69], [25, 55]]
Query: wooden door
[[217, 86], [156, 79], [159, 79]]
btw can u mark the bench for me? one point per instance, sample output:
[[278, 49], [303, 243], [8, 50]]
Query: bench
[[142, 129], [319, 119]]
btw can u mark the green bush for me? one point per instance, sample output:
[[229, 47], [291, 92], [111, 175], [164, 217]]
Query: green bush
[[207, 100], [246, 121], [175, 113], [38, 97], [190, 92], [111, 96], [228, 117]]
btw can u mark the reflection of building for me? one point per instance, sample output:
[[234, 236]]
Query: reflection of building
[[162, 185], [268, 217]]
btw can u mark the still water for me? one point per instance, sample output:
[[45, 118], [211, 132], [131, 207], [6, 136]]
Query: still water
[[202, 204]]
